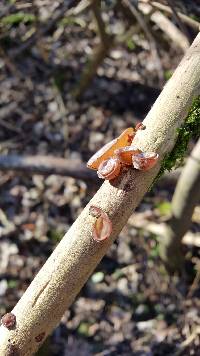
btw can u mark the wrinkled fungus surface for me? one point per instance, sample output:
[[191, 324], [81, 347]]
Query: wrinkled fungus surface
[[125, 154], [8, 320], [145, 160], [109, 169]]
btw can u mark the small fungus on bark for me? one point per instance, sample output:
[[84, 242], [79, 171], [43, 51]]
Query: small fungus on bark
[[107, 151], [102, 227], [125, 154], [118, 153], [8, 320], [40, 337], [145, 160], [109, 169]]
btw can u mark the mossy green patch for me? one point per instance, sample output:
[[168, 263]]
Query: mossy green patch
[[167, 74], [83, 328], [55, 235], [190, 128], [164, 207], [18, 17], [154, 252], [12, 283], [130, 44], [68, 21]]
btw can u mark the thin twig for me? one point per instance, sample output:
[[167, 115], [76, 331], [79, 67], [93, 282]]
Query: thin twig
[[47, 165], [99, 53], [196, 280], [166, 26], [188, 341], [96, 8], [147, 30], [179, 21], [81, 7], [189, 21]]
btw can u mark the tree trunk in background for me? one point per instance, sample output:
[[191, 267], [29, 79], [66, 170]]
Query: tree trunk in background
[[186, 197]]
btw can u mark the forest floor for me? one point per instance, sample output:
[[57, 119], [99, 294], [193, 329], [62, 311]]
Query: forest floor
[[130, 305]]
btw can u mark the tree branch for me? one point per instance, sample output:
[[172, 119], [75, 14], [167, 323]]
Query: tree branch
[[96, 8], [185, 198], [189, 21], [179, 20], [99, 53], [166, 26], [47, 165], [134, 13], [74, 259]]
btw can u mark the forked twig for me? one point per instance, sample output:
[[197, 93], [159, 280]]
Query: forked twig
[[189, 21], [178, 20]]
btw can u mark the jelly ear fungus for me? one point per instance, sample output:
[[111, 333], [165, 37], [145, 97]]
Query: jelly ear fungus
[[107, 151], [102, 227], [109, 169], [145, 160]]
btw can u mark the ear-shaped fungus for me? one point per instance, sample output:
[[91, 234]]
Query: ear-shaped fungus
[[109, 169], [145, 160], [102, 227], [125, 154], [107, 151]]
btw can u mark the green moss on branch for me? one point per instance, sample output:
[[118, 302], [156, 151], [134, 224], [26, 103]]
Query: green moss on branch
[[190, 128]]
